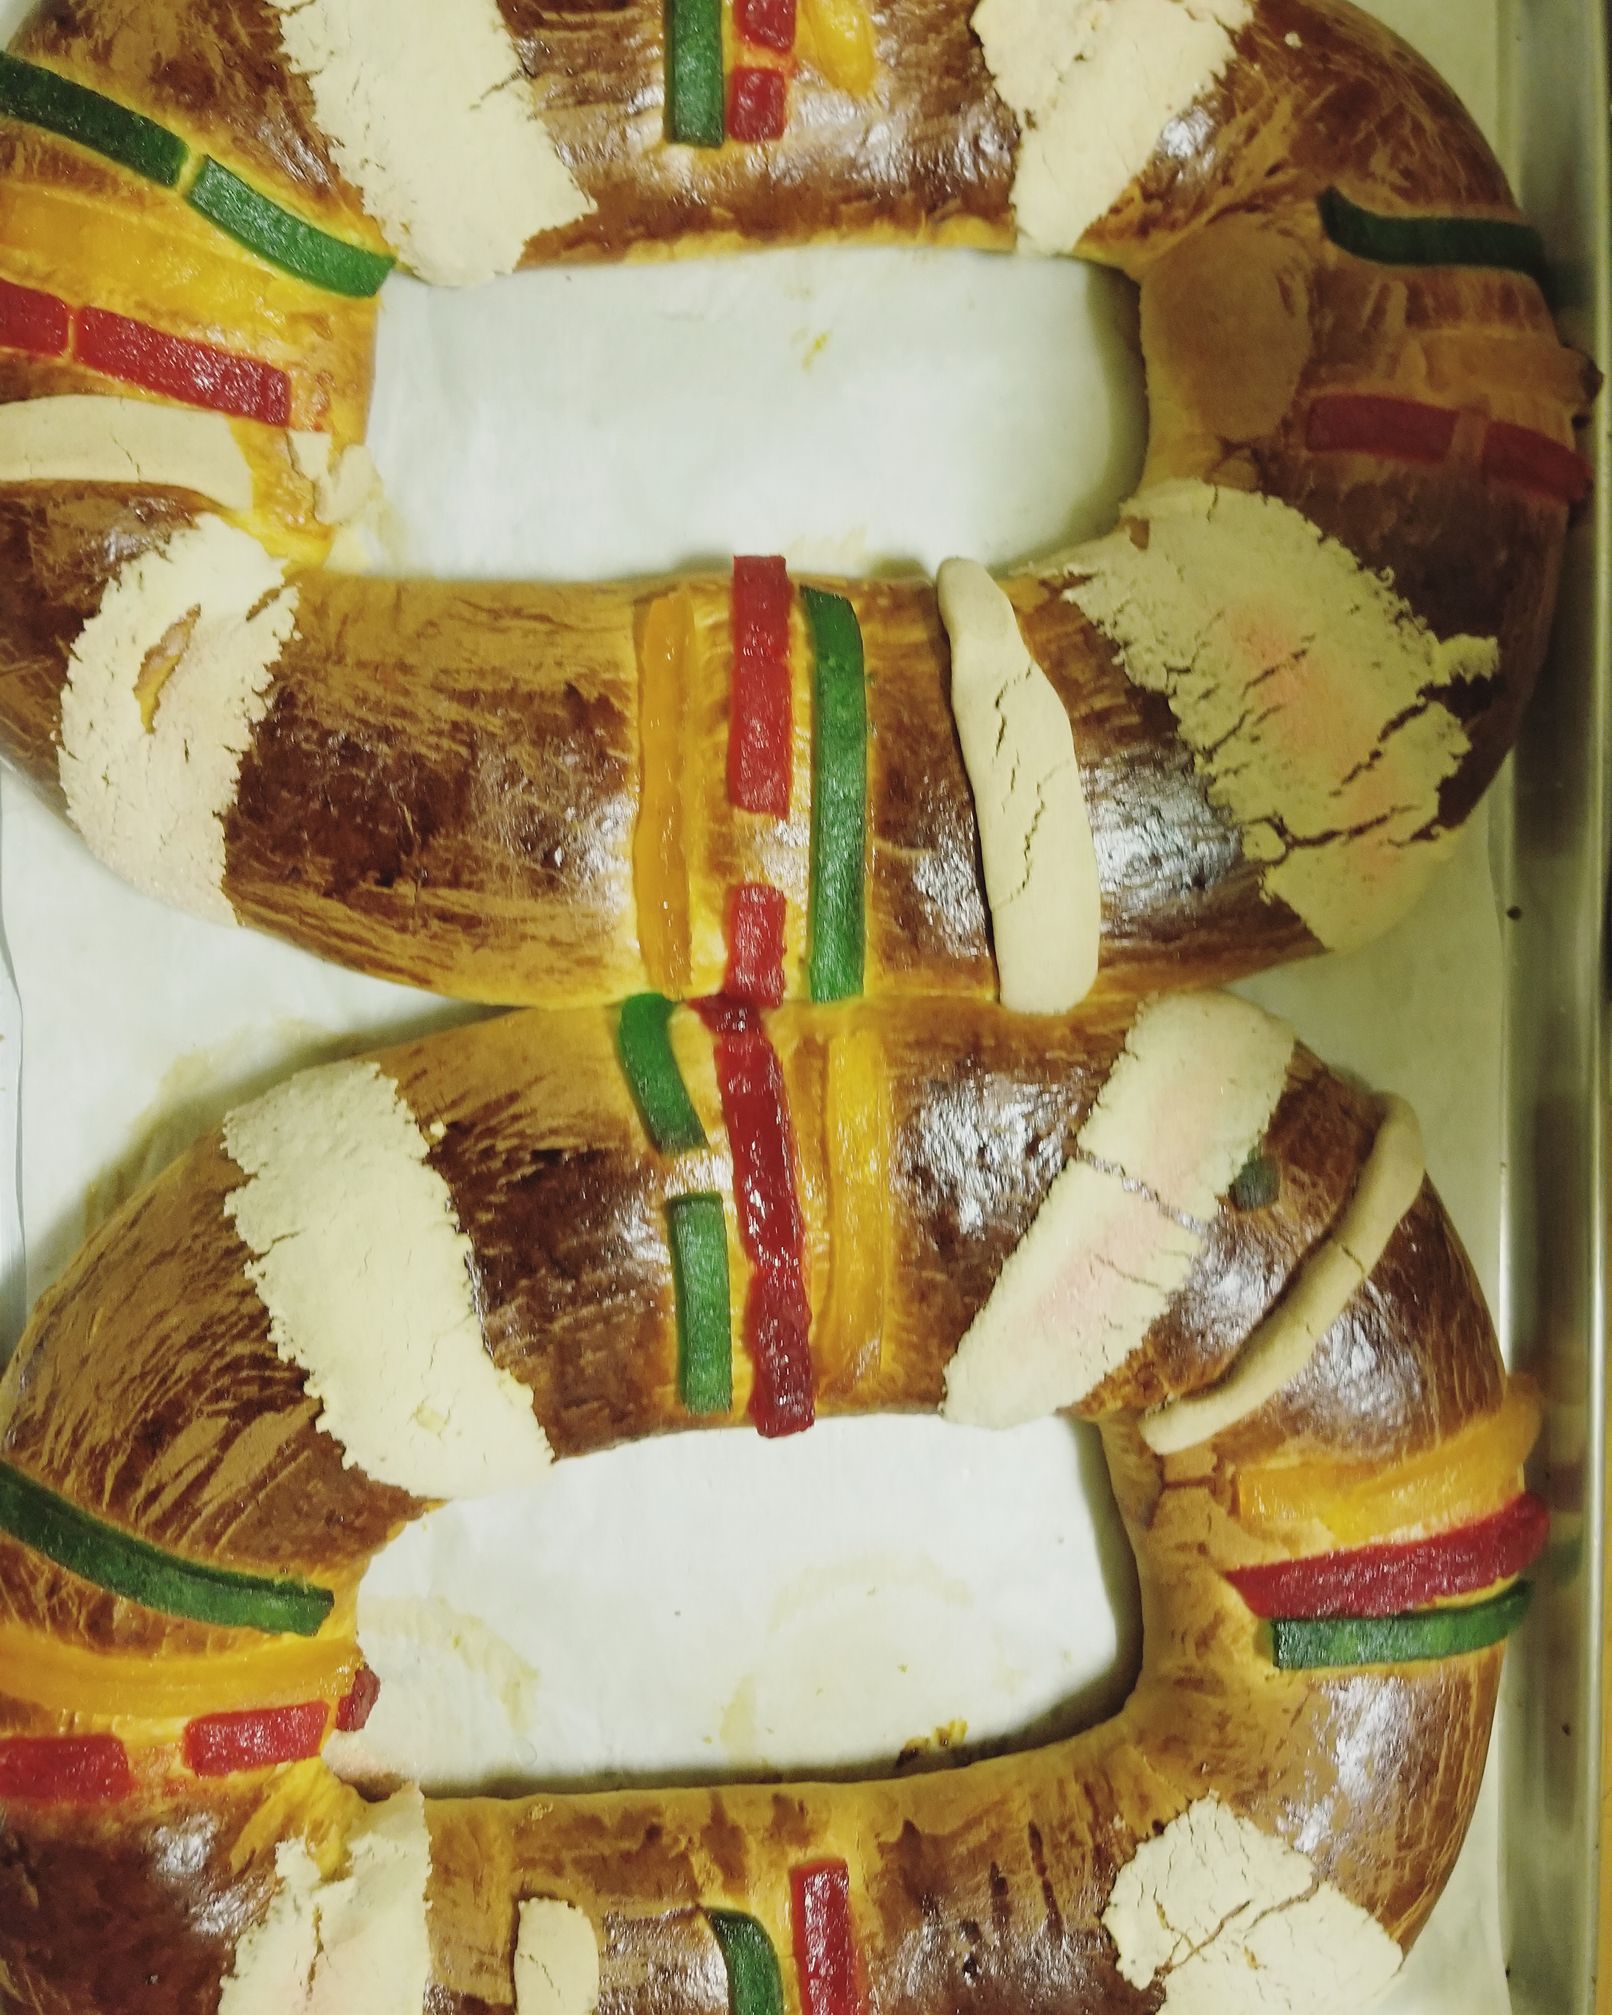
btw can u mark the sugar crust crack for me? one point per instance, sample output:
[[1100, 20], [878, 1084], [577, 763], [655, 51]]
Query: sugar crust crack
[[1305, 687]]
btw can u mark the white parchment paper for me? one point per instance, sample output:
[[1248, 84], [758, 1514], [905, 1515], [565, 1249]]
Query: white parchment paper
[[888, 1583]]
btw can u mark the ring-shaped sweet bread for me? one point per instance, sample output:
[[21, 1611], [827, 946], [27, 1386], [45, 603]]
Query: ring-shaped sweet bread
[[387, 1283], [1242, 726], [1239, 728]]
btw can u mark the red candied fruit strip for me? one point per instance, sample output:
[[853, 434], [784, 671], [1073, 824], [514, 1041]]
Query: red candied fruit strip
[[770, 24], [178, 368], [1534, 461], [65, 1770], [761, 724], [31, 321], [357, 1704], [1390, 1579], [756, 104], [777, 1317], [217, 1745], [756, 944], [825, 1957], [1371, 423]]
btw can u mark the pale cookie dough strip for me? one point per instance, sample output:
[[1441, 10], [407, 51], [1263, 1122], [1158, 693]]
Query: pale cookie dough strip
[[357, 1942], [1228, 1916], [359, 1259], [557, 1969], [82, 438], [1122, 1227], [431, 118], [165, 686], [1304, 686], [1096, 85], [1286, 1340], [1036, 844]]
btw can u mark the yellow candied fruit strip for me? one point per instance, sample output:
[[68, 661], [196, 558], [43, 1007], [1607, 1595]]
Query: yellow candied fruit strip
[[90, 254], [151, 265], [660, 869], [1461, 1479], [840, 42], [856, 1128], [63, 1678]]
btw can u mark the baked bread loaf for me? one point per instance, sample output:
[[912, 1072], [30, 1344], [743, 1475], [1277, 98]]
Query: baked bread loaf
[[425, 1275], [1242, 727]]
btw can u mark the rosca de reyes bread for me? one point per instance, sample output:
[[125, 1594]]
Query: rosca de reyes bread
[[427, 1275], [1241, 727]]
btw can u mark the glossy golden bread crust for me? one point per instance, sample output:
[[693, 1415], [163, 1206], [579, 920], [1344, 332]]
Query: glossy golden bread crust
[[155, 1346], [445, 789], [401, 806]]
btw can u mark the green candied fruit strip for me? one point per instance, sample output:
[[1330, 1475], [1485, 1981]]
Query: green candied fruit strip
[[1434, 241], [1258, 1184], [694, 107], [260, 224], [754, 1984], [44, 98], [657, 1083], [837, 923], [1306, 1645], [123, 1565], [699, 1239]]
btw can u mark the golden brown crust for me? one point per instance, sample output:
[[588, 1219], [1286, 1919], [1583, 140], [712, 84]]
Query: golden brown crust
[[145, 1449], [214, 70], [148, 1389], [443, 790], [420, 836], [59, 545], [401, 807], [929, 156]]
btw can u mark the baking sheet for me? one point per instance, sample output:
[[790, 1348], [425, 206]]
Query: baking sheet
[[1554, 834], [855, 410]]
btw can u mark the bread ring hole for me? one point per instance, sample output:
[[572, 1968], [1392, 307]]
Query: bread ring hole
[[874, 1597], [859, 409], [160, 664]]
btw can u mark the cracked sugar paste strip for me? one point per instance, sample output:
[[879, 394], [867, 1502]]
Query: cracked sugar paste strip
[[1283, 1344], [359, 1260], [1229, 1917], [1303, 685], [434, 122], [338, 1947], [1096, 85], [80, 438], [556, 1960], [1036, 843], [1122, 1227], [165, 685]]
